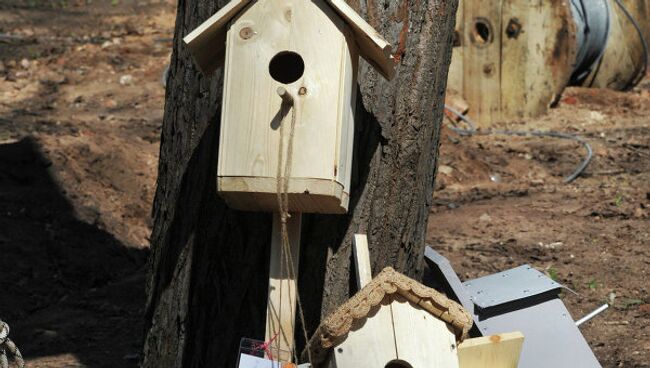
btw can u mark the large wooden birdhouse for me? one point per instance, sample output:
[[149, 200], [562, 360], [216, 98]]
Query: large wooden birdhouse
[[290, 84], [393, 321]]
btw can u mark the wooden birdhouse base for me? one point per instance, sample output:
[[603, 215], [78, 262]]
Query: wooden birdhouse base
[[306, 195]]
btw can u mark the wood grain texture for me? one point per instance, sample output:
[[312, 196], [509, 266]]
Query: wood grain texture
[[421, 339], [456, 68], [482, 60], [208, 41], [281, 307], [208, 270], [520, 69], [372, 345], [305, 195], [496, 351], [537, 63], [374, 48], [323, 106], [362, 259]]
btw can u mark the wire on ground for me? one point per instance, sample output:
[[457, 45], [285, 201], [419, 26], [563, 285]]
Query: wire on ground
[[472, 130]]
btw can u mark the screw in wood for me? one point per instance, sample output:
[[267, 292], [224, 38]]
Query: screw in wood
[[246, 33]]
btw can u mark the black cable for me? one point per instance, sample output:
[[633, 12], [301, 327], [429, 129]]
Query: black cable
[[523, 133], [637, 78]]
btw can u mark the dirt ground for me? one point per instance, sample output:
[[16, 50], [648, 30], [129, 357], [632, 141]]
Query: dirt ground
[[501, 202], [81, 103]]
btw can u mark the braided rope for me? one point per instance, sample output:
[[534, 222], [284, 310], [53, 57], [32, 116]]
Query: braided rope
[[8, 346], [287, 261]]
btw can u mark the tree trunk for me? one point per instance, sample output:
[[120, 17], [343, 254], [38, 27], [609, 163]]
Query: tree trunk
[[208, 271]]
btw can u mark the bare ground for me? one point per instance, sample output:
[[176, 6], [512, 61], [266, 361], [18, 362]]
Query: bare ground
[[80, 112]]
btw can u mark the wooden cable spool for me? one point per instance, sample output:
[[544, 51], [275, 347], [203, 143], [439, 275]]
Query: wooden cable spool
[[513, 58], [623, 59]]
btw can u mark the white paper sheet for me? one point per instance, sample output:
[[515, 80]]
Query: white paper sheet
[[249, 361]]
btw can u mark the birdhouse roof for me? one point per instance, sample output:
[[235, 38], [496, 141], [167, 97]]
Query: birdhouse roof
[[388, 284], [207, 41]]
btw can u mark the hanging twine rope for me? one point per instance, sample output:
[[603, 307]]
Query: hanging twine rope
[[8, 346], [286, 255]]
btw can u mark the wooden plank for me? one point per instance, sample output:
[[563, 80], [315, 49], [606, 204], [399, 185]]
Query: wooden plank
[[374, 48], [497, 351], [456, 70], [421, 339], [536, 62], [517, 56], [347, 111], [305, 195], [208, 41], [281, 307], [482, 59], [362, 259], [372, 345]]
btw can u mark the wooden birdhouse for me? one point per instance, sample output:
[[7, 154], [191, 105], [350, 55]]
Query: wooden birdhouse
[[290, 84], [393, 321]]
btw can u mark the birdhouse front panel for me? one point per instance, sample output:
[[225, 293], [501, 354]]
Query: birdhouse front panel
[[399, 335], [305, 48]]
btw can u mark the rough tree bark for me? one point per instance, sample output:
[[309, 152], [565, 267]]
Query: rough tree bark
[[207, 282]]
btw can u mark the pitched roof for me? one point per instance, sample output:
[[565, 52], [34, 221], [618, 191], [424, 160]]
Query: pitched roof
[[207, 41], [335, 328]]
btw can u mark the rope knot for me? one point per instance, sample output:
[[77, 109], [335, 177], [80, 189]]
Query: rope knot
[[4, 332], [6, 345]]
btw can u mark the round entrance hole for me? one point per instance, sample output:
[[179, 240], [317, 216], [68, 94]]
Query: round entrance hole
[[397, 363], [482, 32], [286, 67]]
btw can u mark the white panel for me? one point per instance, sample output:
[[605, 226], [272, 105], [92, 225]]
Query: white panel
[[422, 340], [371, 346]]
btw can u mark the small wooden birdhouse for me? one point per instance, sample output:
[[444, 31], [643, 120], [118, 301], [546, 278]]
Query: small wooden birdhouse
[[393, 321], [290, 84]]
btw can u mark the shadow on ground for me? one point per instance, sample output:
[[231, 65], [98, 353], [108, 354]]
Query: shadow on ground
[[67, 288]]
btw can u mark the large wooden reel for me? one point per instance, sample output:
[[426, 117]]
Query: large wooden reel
[[512, 58]]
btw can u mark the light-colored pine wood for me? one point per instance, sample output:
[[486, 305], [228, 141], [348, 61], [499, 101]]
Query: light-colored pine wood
[[370, 346], [373, 47], [208, 41], [497, 351], [281, 307], [362, 259], [422, 340], [305, 195], [323, 107]]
